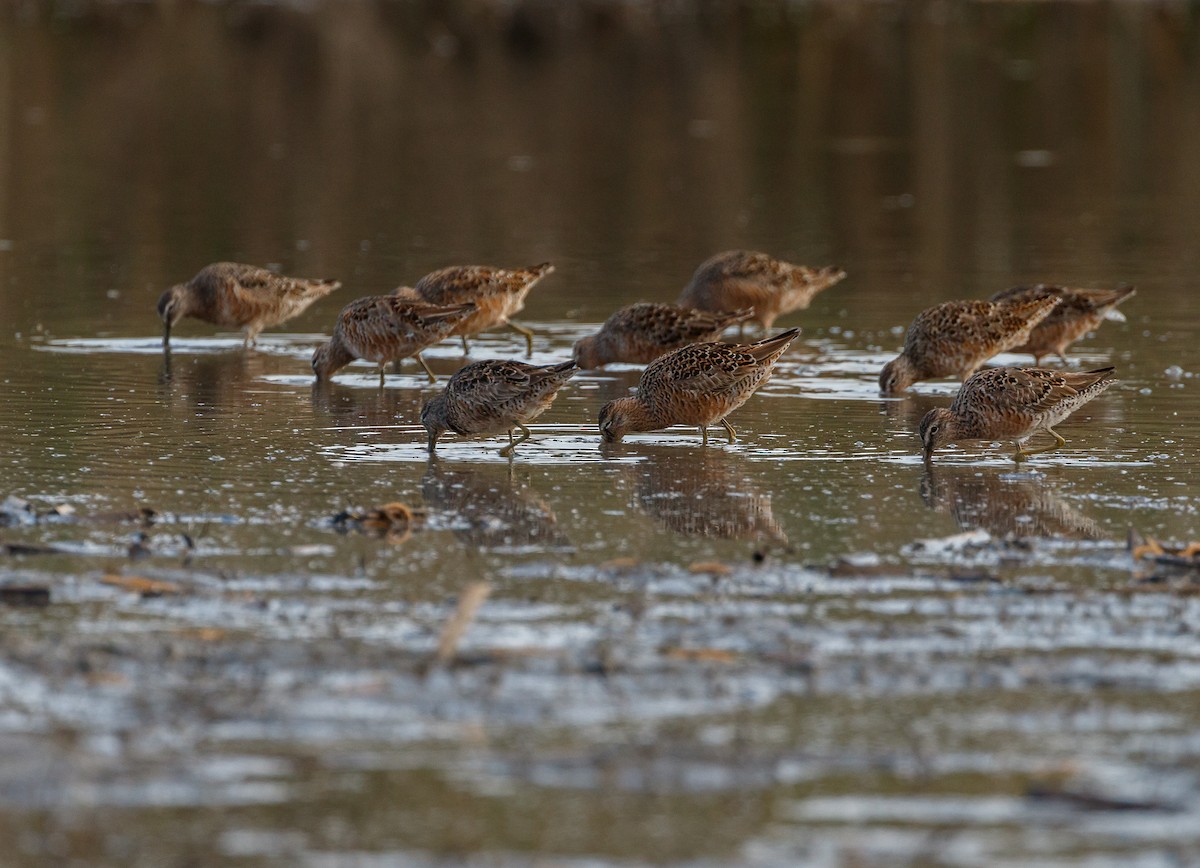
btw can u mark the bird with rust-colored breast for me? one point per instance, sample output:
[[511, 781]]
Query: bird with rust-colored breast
[[696, 385], [954, 338], [1079, 311], [640, 333], [497, 293], [494, 397], [738, 279], [386, 328], [1012, 404], [234, 295]]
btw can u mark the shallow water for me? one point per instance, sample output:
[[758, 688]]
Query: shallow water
[[801, 647]]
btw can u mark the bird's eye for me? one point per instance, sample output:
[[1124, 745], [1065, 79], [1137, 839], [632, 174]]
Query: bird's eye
[[933, 430]]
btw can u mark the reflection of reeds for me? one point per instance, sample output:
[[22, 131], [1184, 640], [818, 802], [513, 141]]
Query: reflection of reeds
[[703, 492], [1004, 505]]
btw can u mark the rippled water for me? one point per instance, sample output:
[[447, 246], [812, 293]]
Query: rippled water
[[801, 647]]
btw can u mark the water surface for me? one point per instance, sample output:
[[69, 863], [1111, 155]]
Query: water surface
[[801, 647]]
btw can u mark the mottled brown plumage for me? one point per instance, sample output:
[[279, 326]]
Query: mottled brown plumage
[[233, 295], [738, 279], [696, 385], [494, 397], [642, 332], [1012, 404], [497, 293], [1079, 311], [954, 338], [386, 328]]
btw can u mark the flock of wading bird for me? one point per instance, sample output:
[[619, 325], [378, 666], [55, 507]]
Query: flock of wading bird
[[691, 378]]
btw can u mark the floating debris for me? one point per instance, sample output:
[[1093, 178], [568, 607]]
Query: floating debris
[[393, 521], [25, 595], [17, 512], [1143, 547], [146, 588], [469, 601]]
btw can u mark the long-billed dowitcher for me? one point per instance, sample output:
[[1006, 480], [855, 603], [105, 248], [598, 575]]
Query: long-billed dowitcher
[[642, 332], [954, 338], [233, 295], [696, 385], [739, 279], [1012, 404], [497, 293], [385, 328], [494, 397], [1079, 311]]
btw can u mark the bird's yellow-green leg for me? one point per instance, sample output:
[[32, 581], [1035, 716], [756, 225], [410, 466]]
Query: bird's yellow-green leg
[[517, 327], [703, 435], [512, 445], [381, 364], [425, 365], [1059, 442], [466, 348], [729, 430]]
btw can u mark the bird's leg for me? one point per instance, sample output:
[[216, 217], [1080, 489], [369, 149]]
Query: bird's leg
[[466, 348], [517, 327], [1062, 358], [381, 364], [1059, 442], [251, 338], [424, 365], [703, 435], [511, 447], [729, 430], [1020, 453]]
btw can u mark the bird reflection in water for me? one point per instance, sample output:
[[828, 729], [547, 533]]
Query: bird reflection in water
[[704, 492], [210, 382], [370, 408], [1005, 505], [490, 509]]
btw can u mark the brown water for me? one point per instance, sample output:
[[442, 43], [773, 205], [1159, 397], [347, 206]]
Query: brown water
[[843, 694]]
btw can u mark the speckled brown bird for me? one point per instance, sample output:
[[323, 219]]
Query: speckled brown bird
[[233, 295], [642, 332], [1012, 404], [497, 293], [385, 328], [696, 385], [738, 279], [494, 397], [1079, 311], [954, 338]]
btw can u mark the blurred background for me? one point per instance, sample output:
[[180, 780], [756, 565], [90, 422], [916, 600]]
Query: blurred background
[[931, 148]]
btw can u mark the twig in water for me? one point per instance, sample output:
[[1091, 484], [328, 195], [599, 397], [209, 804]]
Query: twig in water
[[469, 601]]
